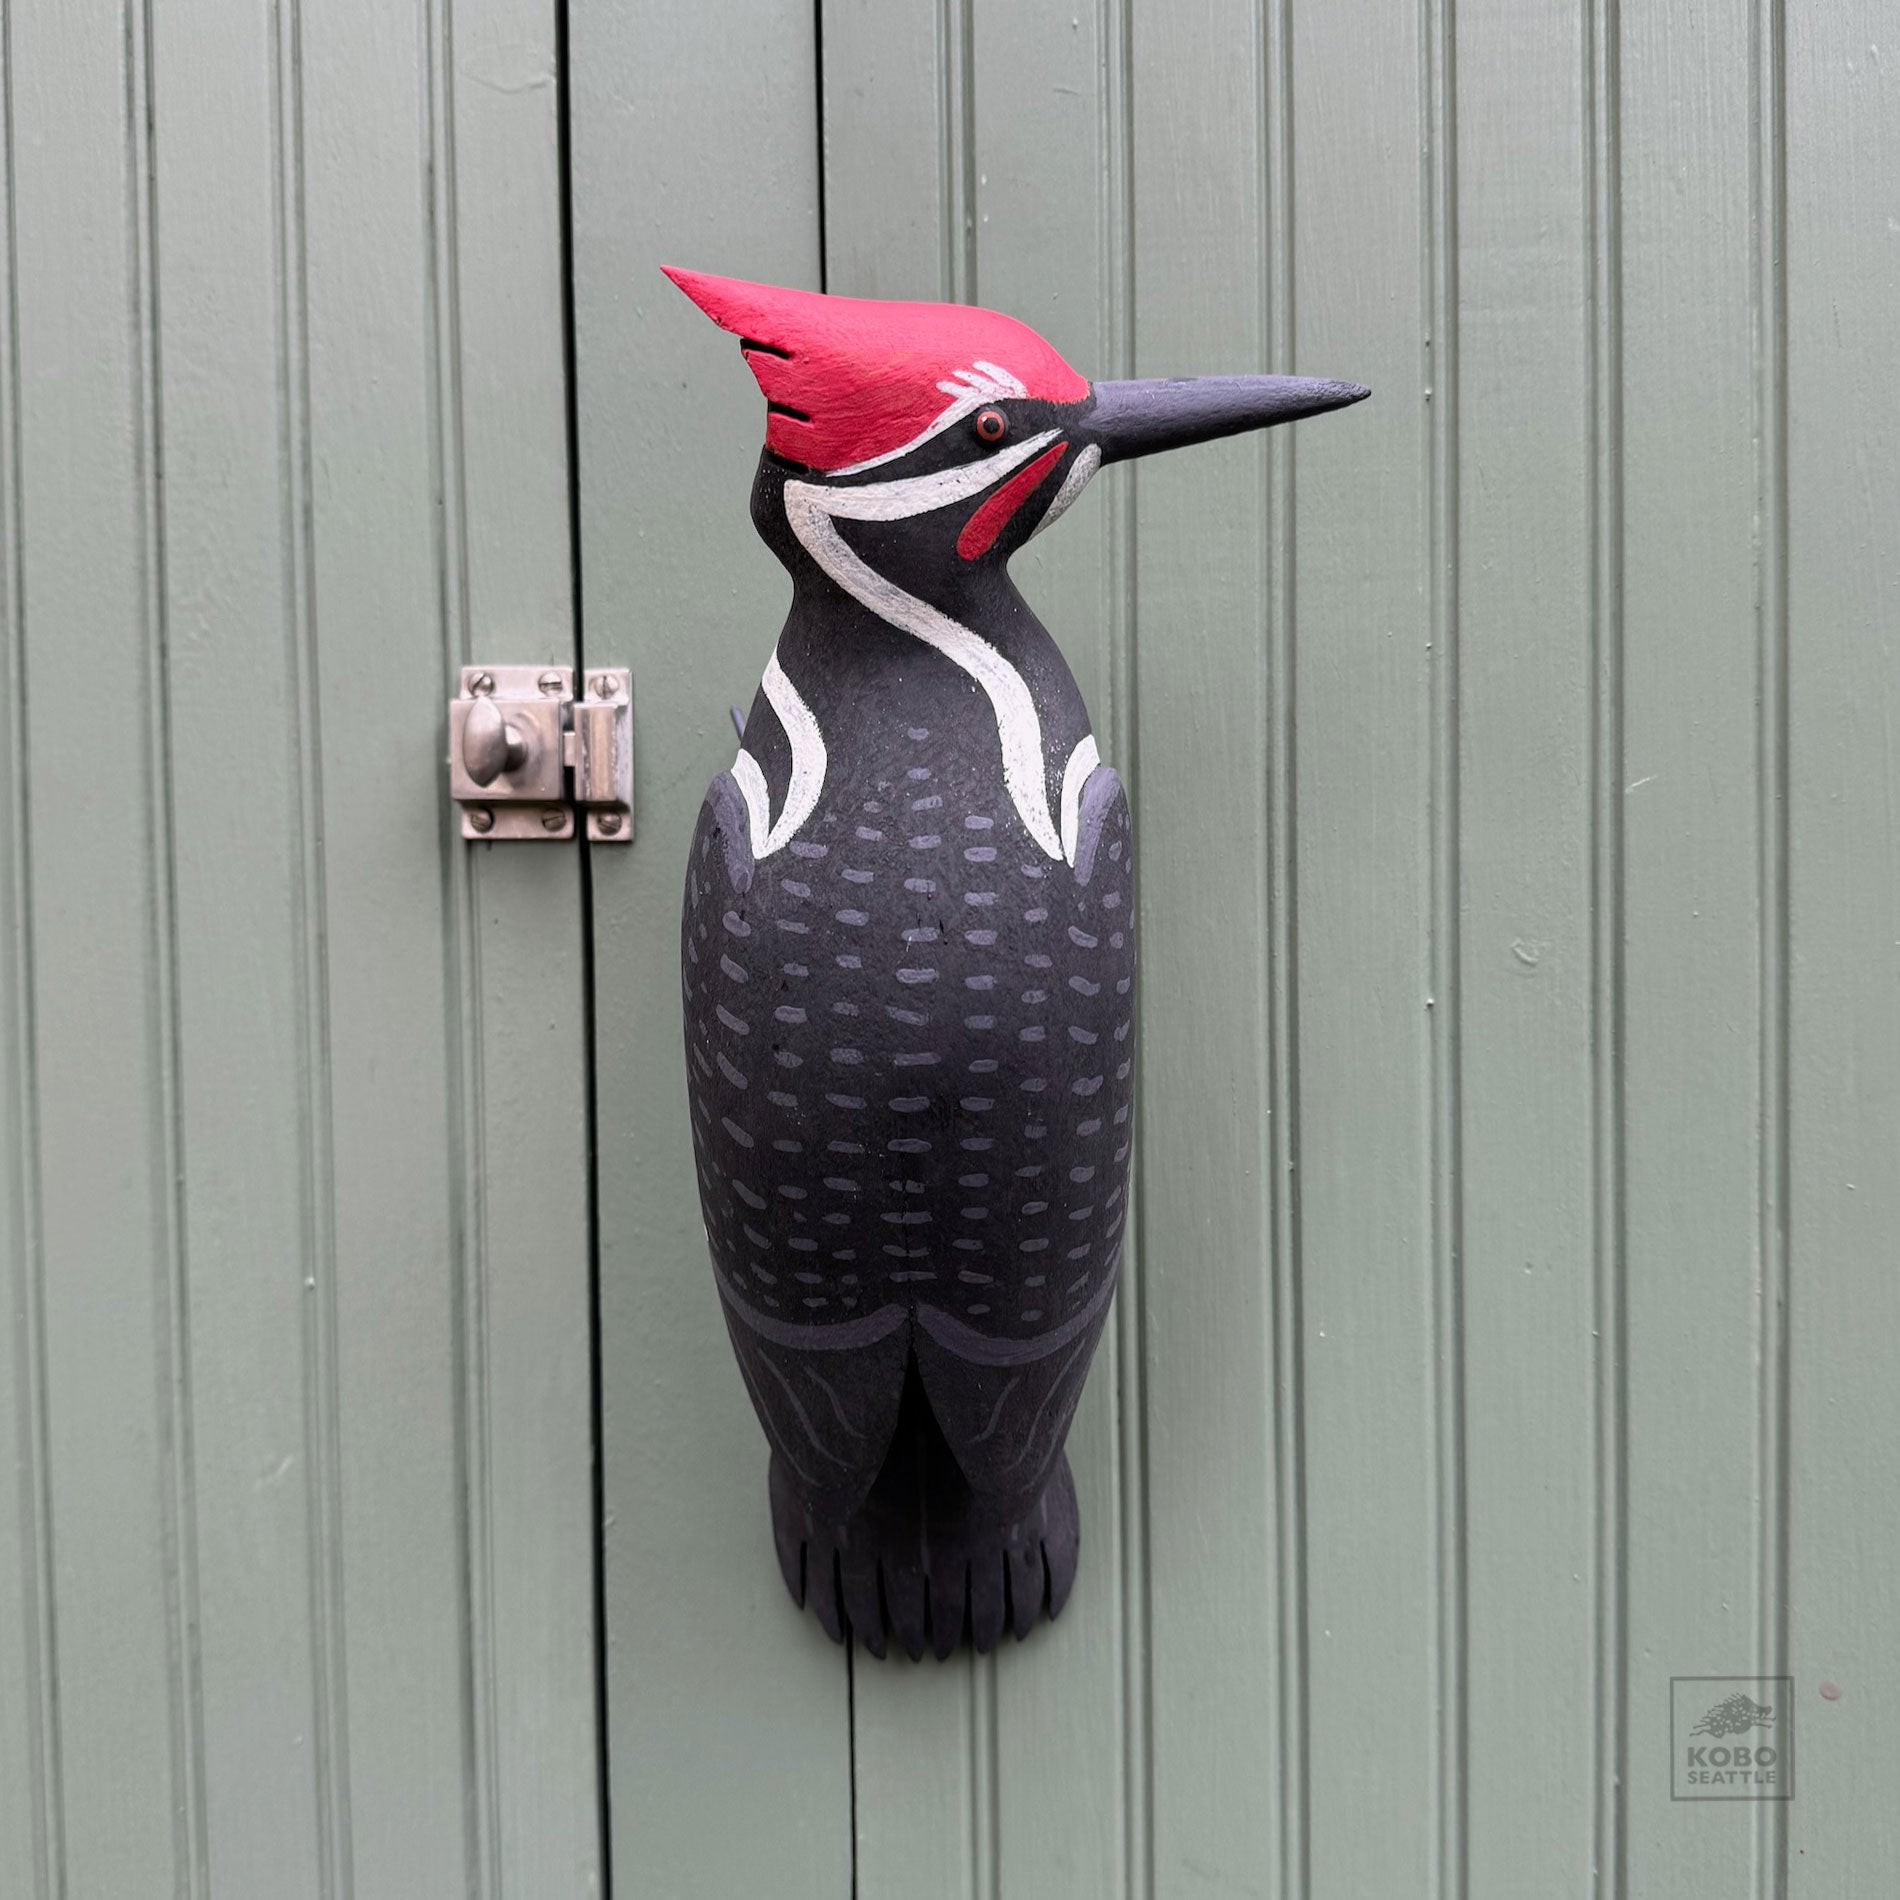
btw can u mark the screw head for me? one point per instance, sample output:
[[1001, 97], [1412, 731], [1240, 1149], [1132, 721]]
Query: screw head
[[609, 823], [550, 682], [482, 683], [553, 819], [604, 686], [481, 818]]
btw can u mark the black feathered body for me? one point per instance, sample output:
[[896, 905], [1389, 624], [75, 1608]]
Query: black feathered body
[[909, 958], [910, 1054]]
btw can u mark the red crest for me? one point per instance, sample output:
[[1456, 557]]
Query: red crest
[[855, 380]]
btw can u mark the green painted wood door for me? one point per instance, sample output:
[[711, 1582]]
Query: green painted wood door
[[1505, 1332]]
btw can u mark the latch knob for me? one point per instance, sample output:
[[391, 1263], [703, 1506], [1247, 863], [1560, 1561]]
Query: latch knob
[[490, 744]]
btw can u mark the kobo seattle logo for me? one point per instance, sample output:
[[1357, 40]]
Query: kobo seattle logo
[[1731, 1738]]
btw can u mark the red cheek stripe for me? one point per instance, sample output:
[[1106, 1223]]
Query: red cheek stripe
[[980, 531]]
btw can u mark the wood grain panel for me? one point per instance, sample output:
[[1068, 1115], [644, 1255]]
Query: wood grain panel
[[31, 1848], [234, 668], [1693, 1112], [1368, 688], [124, 1807], [1526, 1018], [1205, 754], [1831, 838]]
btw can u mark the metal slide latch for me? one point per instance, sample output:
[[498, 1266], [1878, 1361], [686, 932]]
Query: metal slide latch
[[516, 735]]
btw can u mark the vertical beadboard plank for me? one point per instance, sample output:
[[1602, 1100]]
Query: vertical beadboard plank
[[1444, 1106], [1203, 761], [1841, 150], [233, 672], [1691, 963], [1364, 661], [1603, 268], [695, 141], [1528, 952], [526, 1323], [1049, 236], [98, 850], [391, 1569], [890, 199], [899, 105], [29, 1788], [1284, 1395], [1774, 1197]]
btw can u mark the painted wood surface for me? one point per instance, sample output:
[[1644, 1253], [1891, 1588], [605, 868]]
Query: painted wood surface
[[1504, 1331], [295, 1491]]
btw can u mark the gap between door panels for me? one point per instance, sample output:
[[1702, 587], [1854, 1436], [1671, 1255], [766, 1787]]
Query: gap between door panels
[[589, 1011]]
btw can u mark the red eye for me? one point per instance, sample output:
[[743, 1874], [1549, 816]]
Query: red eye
[[991, 425]]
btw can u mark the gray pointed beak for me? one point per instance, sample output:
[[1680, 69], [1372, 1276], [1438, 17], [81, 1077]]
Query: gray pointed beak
[[1137, 418]]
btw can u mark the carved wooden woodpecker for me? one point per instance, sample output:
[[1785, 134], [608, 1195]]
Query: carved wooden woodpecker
[[909, 958]]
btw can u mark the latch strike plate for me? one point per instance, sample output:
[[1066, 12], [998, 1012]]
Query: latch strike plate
[[525, 755], [600, 749]]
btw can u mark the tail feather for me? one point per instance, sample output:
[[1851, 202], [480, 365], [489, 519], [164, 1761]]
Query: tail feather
[[926, 1561]]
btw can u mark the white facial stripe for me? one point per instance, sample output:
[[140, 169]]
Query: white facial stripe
[[809, 507], [1081, 473], [808, 767], [968, 390], [920, 494]]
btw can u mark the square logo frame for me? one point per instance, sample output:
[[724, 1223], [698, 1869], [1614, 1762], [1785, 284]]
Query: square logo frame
[[1720, 1727]]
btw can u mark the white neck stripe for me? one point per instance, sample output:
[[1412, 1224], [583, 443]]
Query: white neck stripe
[[809, 507], [808, 767]]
